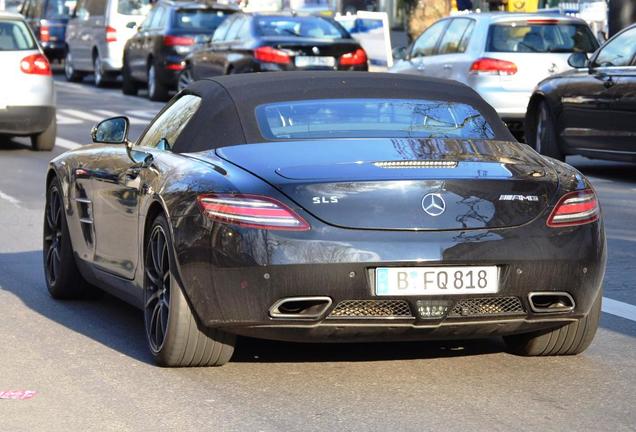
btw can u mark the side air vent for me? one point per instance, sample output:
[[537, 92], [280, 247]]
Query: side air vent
[[372, 309], [416, 164], [487, 306]]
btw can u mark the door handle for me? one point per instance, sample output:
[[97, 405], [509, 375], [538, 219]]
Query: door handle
[[447, 66]]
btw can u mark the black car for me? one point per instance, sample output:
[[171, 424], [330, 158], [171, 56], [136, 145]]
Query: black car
[[339, 206], [261, 43], [154, 56], [48, 19], [590, 110]]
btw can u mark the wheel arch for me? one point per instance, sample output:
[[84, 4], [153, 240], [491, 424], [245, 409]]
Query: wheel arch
[[530, 123]]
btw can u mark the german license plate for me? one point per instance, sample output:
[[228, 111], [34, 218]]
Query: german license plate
[[409, 281], [306, 61]]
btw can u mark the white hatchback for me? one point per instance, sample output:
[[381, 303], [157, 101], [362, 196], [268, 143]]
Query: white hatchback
[[503, 56], [27, 96]]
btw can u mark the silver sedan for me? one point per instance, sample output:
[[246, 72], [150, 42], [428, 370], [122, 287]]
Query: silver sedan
[[501, 55], [27, 97]]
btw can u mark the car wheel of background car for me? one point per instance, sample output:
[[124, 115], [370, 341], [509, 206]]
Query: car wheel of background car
[[101, 77], [45, 141], [129, 86], [185, 78], [156, 90], [545, 139], [69, 71], [62, 276], [571, 339], [173, 335]]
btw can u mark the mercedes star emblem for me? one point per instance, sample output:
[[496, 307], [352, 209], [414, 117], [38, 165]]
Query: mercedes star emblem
[[433, 204], [553, 68], [315, 50]]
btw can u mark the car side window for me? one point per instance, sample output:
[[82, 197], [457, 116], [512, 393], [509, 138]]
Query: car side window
[[452, 37], [463, 44], [80, 11], [221, 31], [427, 42], [96, 7], [165, 130], [233, 32], [619, 51], [157, 18], [145, 25]]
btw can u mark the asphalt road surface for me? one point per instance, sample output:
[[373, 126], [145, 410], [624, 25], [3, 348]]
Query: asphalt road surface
[[88, 362]]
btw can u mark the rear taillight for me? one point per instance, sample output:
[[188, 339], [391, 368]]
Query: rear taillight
[[493, 66], [252, 211], [268, 54], [543, 21], [45, 33], [175, 41], [111, 34], [575, 208], [35, 64], [355, 58]]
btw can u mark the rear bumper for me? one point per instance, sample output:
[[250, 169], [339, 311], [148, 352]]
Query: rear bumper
[[18, 120], [509, 104], [236, 275]]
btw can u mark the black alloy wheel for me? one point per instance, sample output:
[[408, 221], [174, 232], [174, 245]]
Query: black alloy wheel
[[174, 335], [157, 290], [53, 236]]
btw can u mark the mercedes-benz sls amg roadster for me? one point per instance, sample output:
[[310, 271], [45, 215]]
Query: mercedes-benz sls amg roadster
[[332, 207]]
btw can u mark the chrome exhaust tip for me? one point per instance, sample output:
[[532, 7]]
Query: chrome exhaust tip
[[305, 308], [550, 301]]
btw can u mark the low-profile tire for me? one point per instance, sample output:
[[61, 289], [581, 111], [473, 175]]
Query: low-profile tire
[[70, 73], [62, 277], [157, 91], [174, 337], [545, 139], [45, 140], [129, 86], [571, 339]]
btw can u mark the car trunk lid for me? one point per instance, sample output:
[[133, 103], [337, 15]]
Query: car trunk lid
[[405, 184]]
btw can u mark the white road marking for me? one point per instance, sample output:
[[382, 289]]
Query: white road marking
[[133, 120], [9, 198], [64, 120], [81, 114], [618, 308], [67, 144]]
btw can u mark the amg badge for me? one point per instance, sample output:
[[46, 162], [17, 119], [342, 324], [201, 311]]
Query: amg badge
[[518, 198]]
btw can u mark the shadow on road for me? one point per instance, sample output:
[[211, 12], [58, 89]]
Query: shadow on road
[[119, 326], [618, 171]]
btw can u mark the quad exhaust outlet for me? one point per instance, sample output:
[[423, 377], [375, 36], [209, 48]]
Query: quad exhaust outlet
[[307, 308], [550, 301]]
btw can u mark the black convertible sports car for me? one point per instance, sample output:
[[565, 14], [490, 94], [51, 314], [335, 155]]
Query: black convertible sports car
[[327, 206]]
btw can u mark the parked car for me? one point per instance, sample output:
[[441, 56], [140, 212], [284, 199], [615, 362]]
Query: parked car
[[96, 34], [48, 19], [501, 55], [590, 110], [261, 43], [340, 206], [155, 54], [27, 97]]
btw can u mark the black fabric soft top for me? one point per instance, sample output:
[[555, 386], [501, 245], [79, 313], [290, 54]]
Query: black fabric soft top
[[227, 113]]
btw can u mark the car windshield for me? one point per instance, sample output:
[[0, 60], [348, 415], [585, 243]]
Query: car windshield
[[59, 9], [371, 118], [15, 36], [133, 7], [541, 36], [310, 27], [199, 19]]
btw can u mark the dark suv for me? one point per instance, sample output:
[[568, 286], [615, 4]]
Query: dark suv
[[154, 56], [48, 19]]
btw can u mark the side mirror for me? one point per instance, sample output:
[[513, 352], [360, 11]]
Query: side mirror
[[399, 53], [111, 131], [578, 60], [202, 39]]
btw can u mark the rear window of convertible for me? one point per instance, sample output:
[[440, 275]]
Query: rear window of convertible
[[371, 118]]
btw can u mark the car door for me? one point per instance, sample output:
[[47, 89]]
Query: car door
[[452, 62], [78, 37], [210, 61], [135, 55], [420, 59], [589, 99]]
